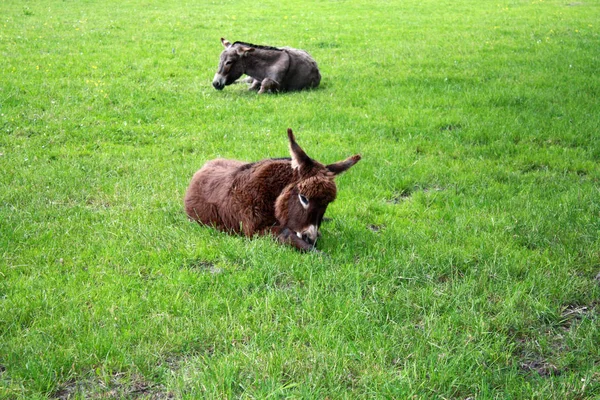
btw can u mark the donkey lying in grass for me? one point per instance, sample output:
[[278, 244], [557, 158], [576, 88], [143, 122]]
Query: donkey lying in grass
[[270, 68], [280, 196]]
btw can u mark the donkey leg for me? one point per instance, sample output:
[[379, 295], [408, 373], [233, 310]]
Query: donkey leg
[[268, 84], [255, 85], [286, 236]]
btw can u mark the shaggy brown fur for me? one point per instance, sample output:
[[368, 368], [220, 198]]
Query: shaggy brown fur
[[285, 197]]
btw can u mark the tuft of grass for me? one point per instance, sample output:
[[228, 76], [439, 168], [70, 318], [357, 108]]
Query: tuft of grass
[[462, 254]]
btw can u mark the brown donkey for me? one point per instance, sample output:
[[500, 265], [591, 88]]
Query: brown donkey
[[285, 197]]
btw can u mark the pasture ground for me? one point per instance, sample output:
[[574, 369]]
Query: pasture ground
[[463, 256]]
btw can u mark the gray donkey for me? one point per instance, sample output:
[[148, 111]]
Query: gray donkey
[[269, 68]]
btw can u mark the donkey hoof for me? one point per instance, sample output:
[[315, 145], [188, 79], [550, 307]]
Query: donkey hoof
[[320, 253]]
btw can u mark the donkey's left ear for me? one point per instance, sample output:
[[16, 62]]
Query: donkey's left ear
[[225, 43], [300, 159], [342, 166]]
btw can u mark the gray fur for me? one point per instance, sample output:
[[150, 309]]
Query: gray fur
[[271, 68]]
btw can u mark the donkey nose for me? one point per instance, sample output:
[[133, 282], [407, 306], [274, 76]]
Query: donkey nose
[[310, 235], [308, 239], [217, 85]]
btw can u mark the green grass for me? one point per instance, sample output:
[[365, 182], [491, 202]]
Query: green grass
[[463, 251]]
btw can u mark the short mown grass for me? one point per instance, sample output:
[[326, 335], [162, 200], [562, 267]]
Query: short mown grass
[[462, 258]]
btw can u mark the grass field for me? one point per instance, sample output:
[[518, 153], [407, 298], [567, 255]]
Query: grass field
[[462, 256]]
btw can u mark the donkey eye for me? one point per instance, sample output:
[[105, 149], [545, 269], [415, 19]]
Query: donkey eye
[[228, 62], [303, 200]]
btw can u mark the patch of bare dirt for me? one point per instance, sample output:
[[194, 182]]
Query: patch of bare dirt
[[575, 312], [375, 228], [206, 266], [531, 361], [119, 386], [450, 127], [541, 367], [399, 197]]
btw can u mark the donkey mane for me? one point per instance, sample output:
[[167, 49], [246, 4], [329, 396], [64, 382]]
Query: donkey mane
[[257, 46]]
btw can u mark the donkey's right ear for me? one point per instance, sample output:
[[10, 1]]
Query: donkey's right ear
[[299, 158], [342, 166], [243, 50], [226, 43]]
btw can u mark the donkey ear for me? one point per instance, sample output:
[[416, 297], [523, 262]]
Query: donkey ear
[[242, 50], [342, 166], [299, 158], [226, 43]]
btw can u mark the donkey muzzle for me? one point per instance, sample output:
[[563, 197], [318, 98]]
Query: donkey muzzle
[[308, 240], [309, 235], [219, 81]]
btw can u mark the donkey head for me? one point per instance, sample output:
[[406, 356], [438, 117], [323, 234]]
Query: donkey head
[[231, 65], [301, 205]]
